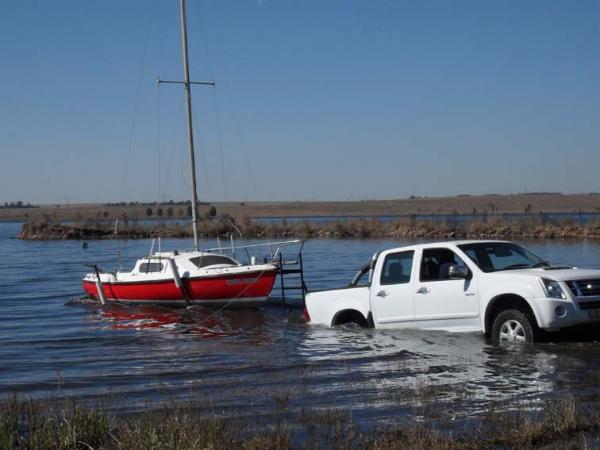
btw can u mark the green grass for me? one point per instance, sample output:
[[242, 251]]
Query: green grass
[[65, 424]]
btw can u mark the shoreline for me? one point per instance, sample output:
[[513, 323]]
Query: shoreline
[[67, 423], [491, 205], [534, 228]]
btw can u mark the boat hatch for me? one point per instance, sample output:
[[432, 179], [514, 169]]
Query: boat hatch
[[211, 260]]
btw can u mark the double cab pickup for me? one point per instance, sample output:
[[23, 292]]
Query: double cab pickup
[[495, 287]]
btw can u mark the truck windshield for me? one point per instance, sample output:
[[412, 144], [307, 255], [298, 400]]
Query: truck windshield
[[496, 256]]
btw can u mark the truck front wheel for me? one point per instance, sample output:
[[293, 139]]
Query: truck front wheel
[[512, 325]]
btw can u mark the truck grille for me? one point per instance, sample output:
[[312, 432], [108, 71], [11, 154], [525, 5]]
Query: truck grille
[[585, 288], [589, 305]]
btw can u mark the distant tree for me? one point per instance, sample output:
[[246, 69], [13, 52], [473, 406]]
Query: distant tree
[[159, 212], [149, 212], [105, 214], [170, 211], [528, 209], [189, 210], [212, 212], [180, 212]]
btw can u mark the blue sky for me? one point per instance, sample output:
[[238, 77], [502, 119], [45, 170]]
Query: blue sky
[[315, 100]]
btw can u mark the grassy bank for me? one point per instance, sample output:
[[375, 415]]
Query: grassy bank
[[65, 424], [493, 204], [530, 228]]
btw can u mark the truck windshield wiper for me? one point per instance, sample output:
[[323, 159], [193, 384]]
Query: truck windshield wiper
[[517, 266], [541, 264]]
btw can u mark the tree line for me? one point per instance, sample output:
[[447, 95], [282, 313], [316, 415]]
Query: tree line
[[18, 204]]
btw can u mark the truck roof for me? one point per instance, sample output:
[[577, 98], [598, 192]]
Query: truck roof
[[444, 243]]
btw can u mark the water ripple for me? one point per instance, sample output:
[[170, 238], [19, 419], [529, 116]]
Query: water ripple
[[52, 343]]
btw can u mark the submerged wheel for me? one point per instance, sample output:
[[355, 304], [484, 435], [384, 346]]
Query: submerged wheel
[[513, 326]]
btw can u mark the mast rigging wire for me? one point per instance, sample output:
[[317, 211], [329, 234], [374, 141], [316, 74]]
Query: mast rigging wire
[[158, 138], [137, 100], [202, 155], [172, 160], [236, 120], [240, 138], [220, 144], [211, 74]]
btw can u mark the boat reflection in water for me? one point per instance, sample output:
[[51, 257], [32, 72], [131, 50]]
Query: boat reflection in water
[[199, 321]]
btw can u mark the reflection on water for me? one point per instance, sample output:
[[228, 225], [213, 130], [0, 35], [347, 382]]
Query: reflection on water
[[399, 365], [192, 321], [251, 362]]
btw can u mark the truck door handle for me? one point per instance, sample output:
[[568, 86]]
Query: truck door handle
[[423, 290], [382, 294]]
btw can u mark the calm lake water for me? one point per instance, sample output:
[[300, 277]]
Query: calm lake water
[[255, 362]]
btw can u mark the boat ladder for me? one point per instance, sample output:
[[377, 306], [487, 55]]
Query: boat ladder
[[291, 276]]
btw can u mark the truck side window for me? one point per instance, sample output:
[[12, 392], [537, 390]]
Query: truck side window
[[436, 262], [397, 268]]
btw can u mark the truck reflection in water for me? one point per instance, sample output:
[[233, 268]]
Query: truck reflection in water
[[401, 369]]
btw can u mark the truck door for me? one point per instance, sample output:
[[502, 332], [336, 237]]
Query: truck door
[[442, 302], [392, 291]]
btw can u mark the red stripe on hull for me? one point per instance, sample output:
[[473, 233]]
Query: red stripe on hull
[[248, 285]]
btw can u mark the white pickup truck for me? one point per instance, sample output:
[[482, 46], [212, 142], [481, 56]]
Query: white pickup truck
[[495, 287]]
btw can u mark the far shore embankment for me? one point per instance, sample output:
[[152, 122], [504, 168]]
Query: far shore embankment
[[535, 227], [491, 205]]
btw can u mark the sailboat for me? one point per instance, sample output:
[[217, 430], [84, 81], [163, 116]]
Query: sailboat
[[206, 277]]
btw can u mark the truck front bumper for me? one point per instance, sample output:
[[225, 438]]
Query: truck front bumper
[[554, 314]]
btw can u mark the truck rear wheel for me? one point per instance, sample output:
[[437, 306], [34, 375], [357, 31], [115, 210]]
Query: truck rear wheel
[[349, 316], [512, 325]]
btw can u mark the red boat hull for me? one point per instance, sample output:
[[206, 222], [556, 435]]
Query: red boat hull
[[242, 288]]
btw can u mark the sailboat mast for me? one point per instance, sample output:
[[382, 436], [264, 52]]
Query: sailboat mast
[[188, 107]]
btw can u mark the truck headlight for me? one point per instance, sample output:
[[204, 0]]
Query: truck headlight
[[553, 289]]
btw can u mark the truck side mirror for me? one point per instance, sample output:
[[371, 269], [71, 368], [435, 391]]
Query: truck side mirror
[[458, 271]]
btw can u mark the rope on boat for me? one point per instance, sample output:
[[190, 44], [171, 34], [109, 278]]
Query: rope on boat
[[234, 298]]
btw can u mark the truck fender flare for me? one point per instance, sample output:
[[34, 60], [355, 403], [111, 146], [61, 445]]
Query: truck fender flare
[[508, 300]]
